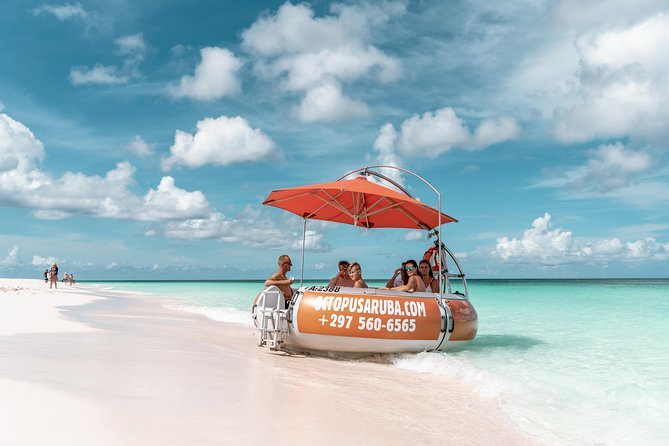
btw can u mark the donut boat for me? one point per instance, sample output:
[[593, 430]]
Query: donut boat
[[368, 320]]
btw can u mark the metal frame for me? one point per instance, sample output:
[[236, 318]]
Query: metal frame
[[441, 247]]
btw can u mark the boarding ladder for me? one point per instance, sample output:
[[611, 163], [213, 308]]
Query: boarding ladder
[[271, 318]]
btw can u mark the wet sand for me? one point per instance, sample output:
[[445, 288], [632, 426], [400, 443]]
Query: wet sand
[[84, 366]]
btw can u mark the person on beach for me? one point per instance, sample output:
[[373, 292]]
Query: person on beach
[[400, 277], [71, 279], [425, 271], [280, 280], [54, 276], [342, 278], [355, 271], [46, 275], [415, 283]]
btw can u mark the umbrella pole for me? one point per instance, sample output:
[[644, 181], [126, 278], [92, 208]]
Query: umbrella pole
[[304, 239]]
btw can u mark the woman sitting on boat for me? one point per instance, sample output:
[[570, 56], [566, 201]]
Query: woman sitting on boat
[[415, 282], [400, 277], [425, 270], [355, 271]]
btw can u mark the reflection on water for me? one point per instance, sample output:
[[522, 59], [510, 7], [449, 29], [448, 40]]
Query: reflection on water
[[484, 342]]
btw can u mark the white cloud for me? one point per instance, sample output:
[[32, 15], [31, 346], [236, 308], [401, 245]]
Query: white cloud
[[326, 103], [22, 184], [131, 47], [12, 257], [99, 74], [220, 141], [384, 145], [111, 265], [623, 81], [319, 266], [43, 261], [215, 76], [542, 245], [610, 168], [434, 133], [414, 236], [139, 147], [19, 147], [315, 55], [62, 12], [252, 227], [313, 241], [613, 172]]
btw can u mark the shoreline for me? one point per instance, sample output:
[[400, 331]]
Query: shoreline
[[137, 372]]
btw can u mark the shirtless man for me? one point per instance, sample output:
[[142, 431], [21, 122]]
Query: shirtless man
[[280, 280], [343, 278]]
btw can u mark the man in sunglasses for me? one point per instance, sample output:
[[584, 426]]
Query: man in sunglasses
[[280, 280], [342, 278]]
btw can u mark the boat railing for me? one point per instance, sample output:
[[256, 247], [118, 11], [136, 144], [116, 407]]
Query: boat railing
[[447, 286]]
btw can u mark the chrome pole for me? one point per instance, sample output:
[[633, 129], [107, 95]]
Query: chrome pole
[[304, 240]]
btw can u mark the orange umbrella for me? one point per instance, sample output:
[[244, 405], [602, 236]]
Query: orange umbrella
[[357, 202]]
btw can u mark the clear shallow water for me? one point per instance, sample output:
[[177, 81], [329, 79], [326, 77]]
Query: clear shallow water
[[571, 361]]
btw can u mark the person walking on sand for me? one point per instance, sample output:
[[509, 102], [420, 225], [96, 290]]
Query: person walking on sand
[[280, 280], [46, 275], [54, 276]]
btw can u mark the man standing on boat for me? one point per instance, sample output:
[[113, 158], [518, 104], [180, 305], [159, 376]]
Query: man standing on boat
[[280, 280]]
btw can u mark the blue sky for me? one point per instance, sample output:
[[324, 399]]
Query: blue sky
[[138, 139]]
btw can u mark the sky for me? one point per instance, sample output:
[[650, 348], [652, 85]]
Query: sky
[[139, 139]]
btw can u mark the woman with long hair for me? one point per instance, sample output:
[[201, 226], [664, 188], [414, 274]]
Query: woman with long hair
[[425, 270], [415, 283]]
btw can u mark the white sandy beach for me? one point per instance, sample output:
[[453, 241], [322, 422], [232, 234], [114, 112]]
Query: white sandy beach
[[83, 366]]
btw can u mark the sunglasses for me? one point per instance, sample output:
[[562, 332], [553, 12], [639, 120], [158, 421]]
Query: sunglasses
[[343, 267], [409, 268], [287, 263]]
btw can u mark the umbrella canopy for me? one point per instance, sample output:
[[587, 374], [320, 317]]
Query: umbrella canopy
[[357, 202]]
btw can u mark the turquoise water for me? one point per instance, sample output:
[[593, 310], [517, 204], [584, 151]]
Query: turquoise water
[[570, 361]]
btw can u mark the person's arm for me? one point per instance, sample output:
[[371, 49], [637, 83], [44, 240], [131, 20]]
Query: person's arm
[[333, 281], [274, 280], [434, 285], [410, 287], [391, 282]]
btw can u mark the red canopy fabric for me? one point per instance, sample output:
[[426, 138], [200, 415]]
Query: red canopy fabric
[[357, 202]]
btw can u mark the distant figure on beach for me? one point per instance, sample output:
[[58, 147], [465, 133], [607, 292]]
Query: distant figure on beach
[[46, 275], [65, 278], [415, 283], [400, 277], [355, 271], [71, 279], [342, 278], [280, 280], [425, 270], [54, 276]]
